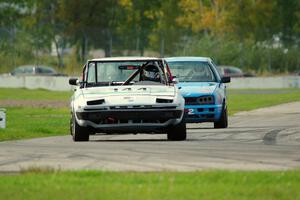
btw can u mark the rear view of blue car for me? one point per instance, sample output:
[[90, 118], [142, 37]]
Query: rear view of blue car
[[203, 89]]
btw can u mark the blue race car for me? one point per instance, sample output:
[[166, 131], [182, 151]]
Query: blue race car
[[203, 89]]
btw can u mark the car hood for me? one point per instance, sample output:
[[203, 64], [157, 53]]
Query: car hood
[[141, 90], [196, 89]]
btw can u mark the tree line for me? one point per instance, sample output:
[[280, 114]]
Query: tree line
[[260, 35]]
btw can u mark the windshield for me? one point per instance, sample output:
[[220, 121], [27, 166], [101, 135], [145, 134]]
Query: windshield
[[192, 71], [128, 73]]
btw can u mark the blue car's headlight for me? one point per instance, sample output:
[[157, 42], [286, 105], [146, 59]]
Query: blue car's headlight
[[206, 100]]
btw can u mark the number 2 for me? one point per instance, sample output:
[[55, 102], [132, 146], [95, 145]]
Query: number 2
[[191, 111]]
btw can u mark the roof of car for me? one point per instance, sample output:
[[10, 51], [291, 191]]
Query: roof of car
[[126, 59], [188, 58], [32, 66]]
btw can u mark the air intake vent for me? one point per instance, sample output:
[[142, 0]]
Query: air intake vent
[[95, 102], [164, 101]]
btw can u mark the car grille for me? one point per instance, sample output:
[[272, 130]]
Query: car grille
[[105, 117], [191, 101], [140, 107]]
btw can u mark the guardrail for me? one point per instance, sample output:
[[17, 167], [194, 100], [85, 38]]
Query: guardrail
[[265, 82], [62, 83], [36, 82]]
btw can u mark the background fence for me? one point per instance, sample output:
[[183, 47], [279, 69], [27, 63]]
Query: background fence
[[62, 83]]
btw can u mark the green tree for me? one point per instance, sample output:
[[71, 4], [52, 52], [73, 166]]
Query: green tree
[[90, 23], [47, 28], [139, 21], [166, 33], [11, 31], [287, 13]]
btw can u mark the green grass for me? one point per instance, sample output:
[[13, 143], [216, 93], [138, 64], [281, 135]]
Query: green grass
[[45, 183], [28, 122], [245, 100], [26, 94], [208, 185], [35, 122]]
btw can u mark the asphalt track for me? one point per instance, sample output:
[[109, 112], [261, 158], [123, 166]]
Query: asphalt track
[[264, 139]]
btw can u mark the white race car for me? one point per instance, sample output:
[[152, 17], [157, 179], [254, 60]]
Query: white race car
[[126, 95]]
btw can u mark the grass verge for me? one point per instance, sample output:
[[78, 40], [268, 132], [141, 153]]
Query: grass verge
[[25, 122], [30, 122], [155, 185], [245, 100], [26, 94]]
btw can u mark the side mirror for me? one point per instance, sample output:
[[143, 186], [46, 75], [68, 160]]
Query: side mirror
[[175, 80], [225, 79], [73, 81]]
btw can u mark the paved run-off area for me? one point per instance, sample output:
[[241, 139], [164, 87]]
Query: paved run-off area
[[264, 139]]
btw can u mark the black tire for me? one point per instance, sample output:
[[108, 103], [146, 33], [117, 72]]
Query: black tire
[[223, 122], [177, 132], [78, 132]]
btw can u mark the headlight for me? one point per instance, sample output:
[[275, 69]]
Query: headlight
[[206, 100]]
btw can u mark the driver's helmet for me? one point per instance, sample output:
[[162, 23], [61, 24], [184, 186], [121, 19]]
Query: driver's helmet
[[151, 73]]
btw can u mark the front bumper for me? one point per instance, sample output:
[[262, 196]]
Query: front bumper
[[203, 113], [128, 119], [144, 115]]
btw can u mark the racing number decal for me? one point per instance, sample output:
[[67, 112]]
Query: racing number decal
[[191, 111]]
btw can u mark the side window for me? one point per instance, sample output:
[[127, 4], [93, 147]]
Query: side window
[[28, 70], [45, 70], [38, 70], [91, 78]]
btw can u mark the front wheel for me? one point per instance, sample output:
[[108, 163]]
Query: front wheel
[[177, 132], [223, 122], [78, 132]]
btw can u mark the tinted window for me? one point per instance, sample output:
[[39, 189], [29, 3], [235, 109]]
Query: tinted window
[[19, 70], [28, 70], [46, 70], [234, 70]]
